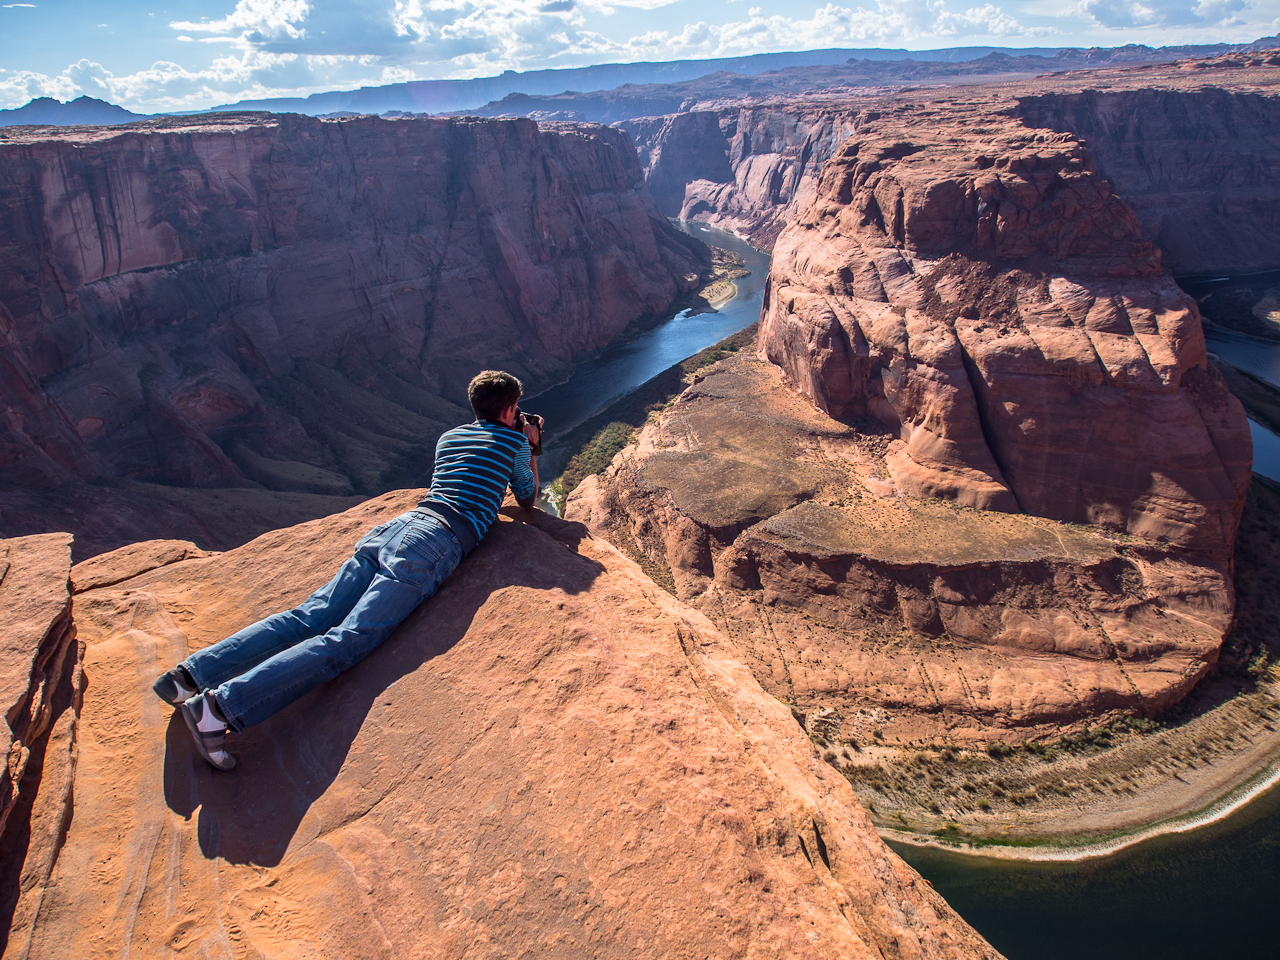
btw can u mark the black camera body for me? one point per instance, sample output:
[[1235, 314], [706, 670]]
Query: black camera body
[[533, 420]]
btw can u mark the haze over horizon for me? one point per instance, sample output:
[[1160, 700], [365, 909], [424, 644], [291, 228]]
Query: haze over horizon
[[190, 54]]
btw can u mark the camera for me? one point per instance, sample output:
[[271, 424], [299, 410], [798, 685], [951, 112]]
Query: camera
[[533, 420]]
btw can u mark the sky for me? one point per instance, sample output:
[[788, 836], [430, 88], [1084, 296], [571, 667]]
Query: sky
[[190, 54]]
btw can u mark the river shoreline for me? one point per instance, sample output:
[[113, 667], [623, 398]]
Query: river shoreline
[[1232, 787]]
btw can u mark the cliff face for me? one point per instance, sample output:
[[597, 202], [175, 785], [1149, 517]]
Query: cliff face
[[746, 169], [986, 296], [1196, 166], [301, 303], [1193, 161], [550, 755]]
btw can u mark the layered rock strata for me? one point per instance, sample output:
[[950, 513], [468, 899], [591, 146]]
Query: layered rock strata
[[1187, 146], [985, 334], [743, 168], [550, 756], [986, 296], [912, 618], [1196, 166], [299, 304]]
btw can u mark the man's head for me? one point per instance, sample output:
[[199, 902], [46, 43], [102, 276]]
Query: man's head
[[492, 392]]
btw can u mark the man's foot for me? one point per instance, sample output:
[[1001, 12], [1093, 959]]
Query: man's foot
[[175, 687], [208, 729]]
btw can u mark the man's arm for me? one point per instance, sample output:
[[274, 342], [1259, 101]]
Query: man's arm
[[533, 465], [524, 482]]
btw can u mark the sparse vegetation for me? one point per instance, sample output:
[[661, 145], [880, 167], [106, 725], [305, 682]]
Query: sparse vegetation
[[598, 439]]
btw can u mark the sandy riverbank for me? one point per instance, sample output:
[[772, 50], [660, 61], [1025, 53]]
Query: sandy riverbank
[[1097, 828]]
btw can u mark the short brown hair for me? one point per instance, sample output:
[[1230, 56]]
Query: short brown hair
[[492, 391]]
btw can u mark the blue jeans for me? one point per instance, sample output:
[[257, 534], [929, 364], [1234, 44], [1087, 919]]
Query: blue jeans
[[265, 667]]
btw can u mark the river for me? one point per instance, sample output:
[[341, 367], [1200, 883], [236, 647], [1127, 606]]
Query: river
[[623, 367], [1201, 895]]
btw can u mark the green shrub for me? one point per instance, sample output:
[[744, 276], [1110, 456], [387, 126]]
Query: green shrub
[[594, 457]]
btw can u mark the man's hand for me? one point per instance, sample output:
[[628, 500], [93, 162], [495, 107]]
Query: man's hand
[[533, 429]]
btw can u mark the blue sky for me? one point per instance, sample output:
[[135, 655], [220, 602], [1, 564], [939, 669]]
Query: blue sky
[[187, 54]]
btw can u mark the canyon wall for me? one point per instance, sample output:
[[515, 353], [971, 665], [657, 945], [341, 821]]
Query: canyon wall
[[1189, 147], [1198, 167], [299, 304], [741, 168], [1014, 505]]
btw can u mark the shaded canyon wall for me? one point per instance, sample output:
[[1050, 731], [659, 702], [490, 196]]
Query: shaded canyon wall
[[1199, 168], [300, 303]]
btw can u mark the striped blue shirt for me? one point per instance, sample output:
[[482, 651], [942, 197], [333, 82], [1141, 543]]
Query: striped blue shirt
[[474, 464]]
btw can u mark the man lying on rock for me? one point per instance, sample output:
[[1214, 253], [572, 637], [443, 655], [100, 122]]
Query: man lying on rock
[[249, 676]]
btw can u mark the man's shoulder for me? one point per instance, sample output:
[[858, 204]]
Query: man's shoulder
[[483, 431]]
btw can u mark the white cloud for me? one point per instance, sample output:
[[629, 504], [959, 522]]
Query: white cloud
[[288, 48], [10, 6], [256, 20], [24, 85], [890, 22], [1128, 14]]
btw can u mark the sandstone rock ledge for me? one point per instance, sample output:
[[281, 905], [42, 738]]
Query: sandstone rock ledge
[[914, 618], [551, 758]]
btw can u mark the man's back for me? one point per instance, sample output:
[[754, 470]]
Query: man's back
[[474, 464]]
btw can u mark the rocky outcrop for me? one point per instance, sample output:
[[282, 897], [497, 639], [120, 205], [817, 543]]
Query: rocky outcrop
[[1196, 166], [299, 304], [988, 298], [41, 683], [993, 351], [550, 756], [917, 618]]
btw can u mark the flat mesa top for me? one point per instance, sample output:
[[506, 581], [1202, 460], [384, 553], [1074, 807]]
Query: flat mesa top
[[204, 123], [930, 532], [740, 452]]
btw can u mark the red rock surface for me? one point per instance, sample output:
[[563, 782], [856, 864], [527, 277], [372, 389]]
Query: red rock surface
[[298, 303], [979, 289], [41, 683], [915, 620], [1184, 144], [550, 757], [743, 168], [1192, 159]]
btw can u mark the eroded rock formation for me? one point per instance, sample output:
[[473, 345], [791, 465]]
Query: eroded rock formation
[[551, 755], [42, 685], [986, 296], [984, 331], [1187, 146], [299, 304], [913, 618], [744, 168]]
